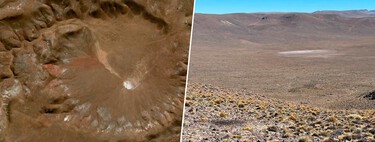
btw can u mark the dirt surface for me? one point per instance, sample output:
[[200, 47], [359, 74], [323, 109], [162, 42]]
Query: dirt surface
[[217, 114], [323, 60], [105, 70]]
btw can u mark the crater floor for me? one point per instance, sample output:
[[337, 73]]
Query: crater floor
[[93, 71]]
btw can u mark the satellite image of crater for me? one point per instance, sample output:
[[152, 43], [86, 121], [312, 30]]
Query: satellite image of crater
[[93, 70]]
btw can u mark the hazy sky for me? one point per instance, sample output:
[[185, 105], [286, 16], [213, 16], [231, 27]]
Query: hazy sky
[[249, 6]]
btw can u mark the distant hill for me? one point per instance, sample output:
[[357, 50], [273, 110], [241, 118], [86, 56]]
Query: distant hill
[[279, 27], [350, 13]]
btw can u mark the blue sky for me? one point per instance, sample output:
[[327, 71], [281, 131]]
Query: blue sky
[[249, 6]]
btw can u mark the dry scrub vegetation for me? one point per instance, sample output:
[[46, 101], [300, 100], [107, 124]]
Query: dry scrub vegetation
[[216, 114]]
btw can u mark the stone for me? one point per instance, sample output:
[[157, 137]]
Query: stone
[[272, 128]]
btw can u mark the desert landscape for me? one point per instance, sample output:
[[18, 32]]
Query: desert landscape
[[300, 57], [101, 70], [303, 77]]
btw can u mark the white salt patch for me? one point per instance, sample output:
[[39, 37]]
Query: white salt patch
[[128, 85], [226, 22], [304, 52], [309, 53], [67, 118]]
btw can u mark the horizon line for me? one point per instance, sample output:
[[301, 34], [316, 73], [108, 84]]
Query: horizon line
[[285, 11]]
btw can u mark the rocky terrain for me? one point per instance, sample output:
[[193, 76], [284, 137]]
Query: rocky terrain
[[217, 114], [93, 70]]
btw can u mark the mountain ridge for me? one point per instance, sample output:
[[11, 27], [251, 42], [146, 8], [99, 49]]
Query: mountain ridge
[[349, 13], [346, 13], [249, 26]]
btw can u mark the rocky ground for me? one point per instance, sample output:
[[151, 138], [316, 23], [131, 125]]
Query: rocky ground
[[215, 114]]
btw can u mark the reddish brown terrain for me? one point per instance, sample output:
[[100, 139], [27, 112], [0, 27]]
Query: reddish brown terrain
[[325, 60], [93, 70]]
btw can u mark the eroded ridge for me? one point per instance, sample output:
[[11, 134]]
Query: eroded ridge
[[64, 76]]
